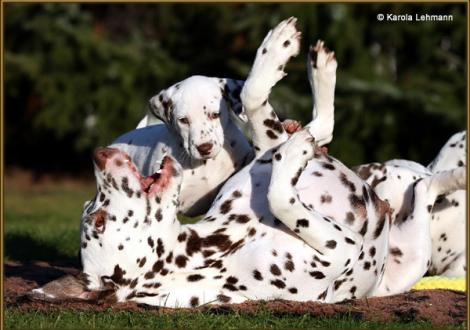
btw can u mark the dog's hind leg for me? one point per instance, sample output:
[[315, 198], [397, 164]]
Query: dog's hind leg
[[332, 240], [322, 66]]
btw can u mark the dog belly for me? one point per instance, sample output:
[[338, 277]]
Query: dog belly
[[327, 194]]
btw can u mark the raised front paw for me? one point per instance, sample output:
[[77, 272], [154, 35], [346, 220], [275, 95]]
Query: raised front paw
[[281, 43]]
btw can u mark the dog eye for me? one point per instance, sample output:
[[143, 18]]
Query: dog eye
[[184, 121], [214, 115]]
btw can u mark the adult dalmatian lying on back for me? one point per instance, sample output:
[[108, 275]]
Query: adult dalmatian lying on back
[[295, 223]]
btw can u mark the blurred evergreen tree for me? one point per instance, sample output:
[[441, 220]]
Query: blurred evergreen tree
[[77, 76]]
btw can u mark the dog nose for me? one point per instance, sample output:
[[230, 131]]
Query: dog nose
[[204, 149], [101, 155]]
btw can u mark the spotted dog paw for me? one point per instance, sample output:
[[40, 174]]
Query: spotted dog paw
[[322, 59], [281, 43], [298, 150], [321, 65]]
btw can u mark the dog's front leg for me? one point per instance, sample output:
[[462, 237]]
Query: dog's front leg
[[278, 47]]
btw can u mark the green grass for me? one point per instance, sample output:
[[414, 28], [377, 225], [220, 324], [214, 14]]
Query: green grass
[[185, 320], [43, 223]]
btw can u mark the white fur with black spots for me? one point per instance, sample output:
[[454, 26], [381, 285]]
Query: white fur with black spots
[[428, 213]]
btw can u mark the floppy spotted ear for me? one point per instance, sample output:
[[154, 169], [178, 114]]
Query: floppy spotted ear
[[160, 107], [231, 90]]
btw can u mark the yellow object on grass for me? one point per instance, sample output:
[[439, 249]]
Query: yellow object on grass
[[440, 282]]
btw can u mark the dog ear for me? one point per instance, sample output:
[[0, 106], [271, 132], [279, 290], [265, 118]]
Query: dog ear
[[160, 107], [231, 89]]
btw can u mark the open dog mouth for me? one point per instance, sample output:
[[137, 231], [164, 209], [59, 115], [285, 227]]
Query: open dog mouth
[[114, 161], [158, 180]]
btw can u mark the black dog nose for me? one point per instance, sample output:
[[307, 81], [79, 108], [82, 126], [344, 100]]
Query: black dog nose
[[204, 149]]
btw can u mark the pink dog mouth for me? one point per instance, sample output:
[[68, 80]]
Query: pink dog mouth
[[158, 180], [149, 184]]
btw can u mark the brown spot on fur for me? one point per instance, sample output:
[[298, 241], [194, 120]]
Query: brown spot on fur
[[194, 243], [325, 198], [226, 207], [221, 241], [396, 252], [271, 134], [194, 302], [273, 124], [142, 262], [194, 278], [181, 261], [359, 205], [257, 275], [279, 284], [349, 184], [182, 237], [289, 265], [363, 230], [274, 269], [322, 295]]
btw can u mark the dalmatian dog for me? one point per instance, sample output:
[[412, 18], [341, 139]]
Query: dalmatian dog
[[428, 212], [199, 131], [294, 224], [448, 220]]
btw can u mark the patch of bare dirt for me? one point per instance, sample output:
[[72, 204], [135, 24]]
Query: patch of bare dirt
[[441, 307]]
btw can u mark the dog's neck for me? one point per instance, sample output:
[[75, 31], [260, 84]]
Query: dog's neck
[[160, 214]]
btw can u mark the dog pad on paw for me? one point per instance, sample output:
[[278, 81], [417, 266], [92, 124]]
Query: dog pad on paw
[[441, 282]]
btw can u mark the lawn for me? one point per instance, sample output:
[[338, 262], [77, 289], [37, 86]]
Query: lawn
[[42, 220], [42, 223]]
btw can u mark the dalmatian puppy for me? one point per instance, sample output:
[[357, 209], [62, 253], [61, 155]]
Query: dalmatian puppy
[[198, 131], [428, 212]]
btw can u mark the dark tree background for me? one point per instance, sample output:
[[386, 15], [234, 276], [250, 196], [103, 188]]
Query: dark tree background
[[79, 75]]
